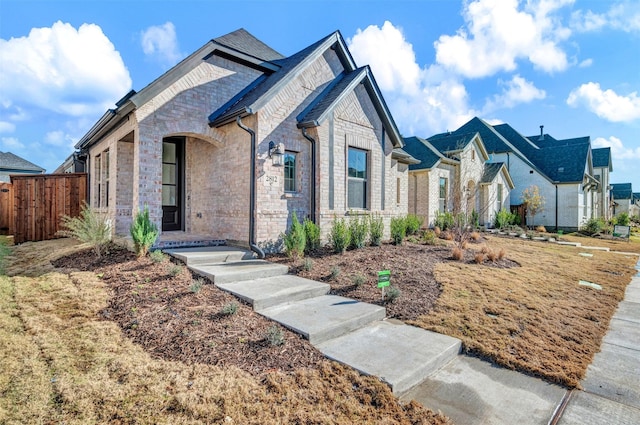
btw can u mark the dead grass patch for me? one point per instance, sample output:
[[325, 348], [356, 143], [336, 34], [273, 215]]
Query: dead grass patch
[[534, 318], [613, 244], [67, 364]]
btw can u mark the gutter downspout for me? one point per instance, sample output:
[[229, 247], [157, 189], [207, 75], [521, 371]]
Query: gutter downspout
[[313, 173], [252, 190], [556, 207]]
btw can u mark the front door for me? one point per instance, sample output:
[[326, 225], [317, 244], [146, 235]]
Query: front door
[[172, 182]]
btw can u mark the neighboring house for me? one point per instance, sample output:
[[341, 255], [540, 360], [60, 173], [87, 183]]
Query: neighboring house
[[621, 197], [13, 164], [454, 175], [73, 164], [602, 169], [634, 210], [562, 170], [236, 137]]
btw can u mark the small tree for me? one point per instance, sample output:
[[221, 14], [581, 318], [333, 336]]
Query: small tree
[[533, 201], [295, 239], [144, 232], [312, 232], [89, 227]]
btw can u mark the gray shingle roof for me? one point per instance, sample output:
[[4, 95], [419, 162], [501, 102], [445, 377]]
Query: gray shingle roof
[[11, 162], [636, 196], [253, 99], [621, 191], [451, 142], [491, 170], [242, 41], [423, 151], [601, 157], [565, 163]]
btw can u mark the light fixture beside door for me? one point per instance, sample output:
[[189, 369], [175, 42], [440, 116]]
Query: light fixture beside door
[[276, 153]]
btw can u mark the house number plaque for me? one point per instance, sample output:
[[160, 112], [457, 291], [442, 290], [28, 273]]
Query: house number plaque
[[270, 180]]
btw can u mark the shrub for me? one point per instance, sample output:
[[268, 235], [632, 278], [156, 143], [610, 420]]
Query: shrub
[[447, 235], [475, 218], [196, 285], [429, 237], [392, 293], [4, 251], [89, 227], [295, 239], [501, 219], [501, 254], [541, 229], [475, 236], [275, 335], [143, 232], [175, 270], [340, 236], [335, 272], [358, 279], [623, 219], [308, 264], [457, 254], [312, 233], [491, 256], [358, 230], [398, 230], [230, 308], [593, 226], [478, 258], [157, 256], [413, 224], [444, 220], [376, 230]]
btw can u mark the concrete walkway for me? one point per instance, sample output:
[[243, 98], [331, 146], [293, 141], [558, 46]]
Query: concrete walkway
[[426, 366]]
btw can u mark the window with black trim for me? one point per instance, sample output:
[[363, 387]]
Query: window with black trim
[[443, 194], [357, 178], [290, 172]]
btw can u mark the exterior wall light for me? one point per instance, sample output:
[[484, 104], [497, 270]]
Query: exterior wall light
[[276, 153]]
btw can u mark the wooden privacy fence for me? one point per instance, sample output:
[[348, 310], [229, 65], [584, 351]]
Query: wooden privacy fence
[[41, 200], [6, 209]]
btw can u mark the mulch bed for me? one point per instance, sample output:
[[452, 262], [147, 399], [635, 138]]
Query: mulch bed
[[162, 307], [411, 267]]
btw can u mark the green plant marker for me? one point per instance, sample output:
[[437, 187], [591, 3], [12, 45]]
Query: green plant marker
[[384, 280]]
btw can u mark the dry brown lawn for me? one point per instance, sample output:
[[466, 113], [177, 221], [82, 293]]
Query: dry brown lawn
[[632, 245], [535, 318], [63, 363]]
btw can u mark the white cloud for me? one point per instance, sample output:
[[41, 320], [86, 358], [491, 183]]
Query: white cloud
[[606, 104], [618, 150], [422, 100], [497, 33], [623, 16], [7, 127], [515, 91], [10, 143], [586, 63], [61, 69], [160, 41], [59, 138]]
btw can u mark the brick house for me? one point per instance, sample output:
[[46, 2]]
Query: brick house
[[563, 170], [236, 137], [454, 174]]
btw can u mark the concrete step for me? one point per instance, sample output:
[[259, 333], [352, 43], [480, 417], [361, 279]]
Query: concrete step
[[236, 271], [322, 318], [209, 255], [401, 355], [270, 291]]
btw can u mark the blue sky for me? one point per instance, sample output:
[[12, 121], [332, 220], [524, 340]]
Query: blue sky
[[570, 65]]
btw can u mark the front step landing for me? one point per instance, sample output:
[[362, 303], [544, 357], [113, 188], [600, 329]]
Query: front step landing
[[268, 292], [401, 355], [322, 318], [237, 271], [210, 255]]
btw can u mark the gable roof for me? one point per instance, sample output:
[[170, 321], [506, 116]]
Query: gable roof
[[448, 143], [242, 41], [602, 158], [424, 152], [636, 197], [250, 100], [491, 171], [12, 162], [621, 191], [564, 163], [239, 46]]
